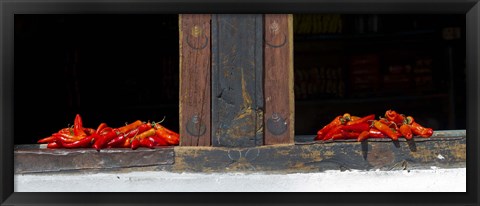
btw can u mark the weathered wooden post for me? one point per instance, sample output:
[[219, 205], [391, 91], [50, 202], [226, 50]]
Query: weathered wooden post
[[278, 81], [237, 80], [251, 79], [195, 66]]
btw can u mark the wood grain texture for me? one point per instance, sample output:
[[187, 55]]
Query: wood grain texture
[[195, 45], [237, 80], [421, 153], [445, 149], [32, 159], [278, 90]]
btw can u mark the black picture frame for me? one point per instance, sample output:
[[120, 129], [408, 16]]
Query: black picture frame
[[8, 8]]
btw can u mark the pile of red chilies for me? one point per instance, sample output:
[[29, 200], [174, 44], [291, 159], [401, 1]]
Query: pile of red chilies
[[393, 126], [133, 135]]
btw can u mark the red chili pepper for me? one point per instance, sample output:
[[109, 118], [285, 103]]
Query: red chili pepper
[[428, 133], [350, 134], [69, 135], [146, 142], [127, 143], [337, 136], [97, 140], [64, 138], [106, 130], [390, 115], [322, 132], [421, 131], [102, 140], [394, 117], [66, 131], [400, 119], [53, 145], [85, 142], [100, 127], [78, 126], [362, 136], [122, 137], [353, 118], [144, 127], [146, 134], [159, 126], [67, 138], [362, 120], [117, 141], [171, 137], [158, 141], [357, 127], [135, 143], [385, 129], [375, 133], [129, 127], [386, 121], [89, 131], [336, 130], [406, 131], [46, 140], [390, 124]]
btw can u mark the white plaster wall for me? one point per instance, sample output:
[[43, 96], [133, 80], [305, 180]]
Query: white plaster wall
[[432, 180]]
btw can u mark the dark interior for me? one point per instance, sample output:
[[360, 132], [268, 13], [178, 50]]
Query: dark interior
[[367, 64], [108, 68], [120, 68]]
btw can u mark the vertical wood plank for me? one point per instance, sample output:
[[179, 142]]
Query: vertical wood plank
[[279, 97], [195, 79], [237, 80]]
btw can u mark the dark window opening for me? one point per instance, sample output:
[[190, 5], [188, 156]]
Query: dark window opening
[[120, 68], [107, 68], [367, 64]]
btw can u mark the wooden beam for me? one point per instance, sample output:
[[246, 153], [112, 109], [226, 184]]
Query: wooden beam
[[32, 159], [278, 90], [445, 149], [195, 79], [237, 80], [381, 154]]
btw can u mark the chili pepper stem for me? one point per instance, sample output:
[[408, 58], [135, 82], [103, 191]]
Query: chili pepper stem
[[71, 129], [154, 123], [134, 137]]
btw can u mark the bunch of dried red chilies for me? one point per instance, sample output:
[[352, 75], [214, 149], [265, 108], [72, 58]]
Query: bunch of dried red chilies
[[393, 126], [133, 135]]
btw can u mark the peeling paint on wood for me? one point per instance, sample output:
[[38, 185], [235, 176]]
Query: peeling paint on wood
[[237, 78], [343, 155]]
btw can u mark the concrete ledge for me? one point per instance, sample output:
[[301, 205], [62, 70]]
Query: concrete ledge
[[430, 180]]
